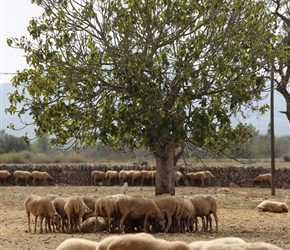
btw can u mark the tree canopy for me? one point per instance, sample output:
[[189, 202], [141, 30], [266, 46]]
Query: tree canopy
[[153, 74]]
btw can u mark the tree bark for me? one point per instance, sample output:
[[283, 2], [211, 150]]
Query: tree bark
[[164, 170]]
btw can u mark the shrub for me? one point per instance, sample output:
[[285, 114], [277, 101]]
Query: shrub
[[287, 158]]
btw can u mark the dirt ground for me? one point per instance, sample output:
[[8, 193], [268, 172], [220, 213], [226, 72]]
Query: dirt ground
[[236, 214]]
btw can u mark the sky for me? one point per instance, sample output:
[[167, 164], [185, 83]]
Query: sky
[[14, 18]]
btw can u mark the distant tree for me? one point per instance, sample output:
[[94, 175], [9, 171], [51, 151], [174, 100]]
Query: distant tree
[[10, 143], [42, 144], [153, 74]]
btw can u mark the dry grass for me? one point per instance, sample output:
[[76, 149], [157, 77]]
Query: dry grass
[[236, 213]]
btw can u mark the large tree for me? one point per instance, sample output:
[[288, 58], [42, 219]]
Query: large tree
[[151, 73], [282, 65]]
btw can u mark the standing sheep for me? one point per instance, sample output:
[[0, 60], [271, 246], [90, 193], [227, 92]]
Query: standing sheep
[[196, 176], [272, 206], [41, 207], [4, 174], [134, 175], [178, 176], [107, 207], [123, 176], [98, 175], [43, 176], [263, 178], [204, 206], [22, 175], [137, 208], [208, 176], [75, 209], [112, 175], [59, 204], [169, 206]]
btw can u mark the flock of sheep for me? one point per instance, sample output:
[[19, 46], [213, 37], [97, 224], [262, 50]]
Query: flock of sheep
[[122, 213], [136, 216], [132, 177]]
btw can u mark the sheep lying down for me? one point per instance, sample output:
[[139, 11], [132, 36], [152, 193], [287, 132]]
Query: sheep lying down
[[272, 206], [231, 243]]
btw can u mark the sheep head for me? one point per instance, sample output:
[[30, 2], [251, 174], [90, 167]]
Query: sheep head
[[56, 221]]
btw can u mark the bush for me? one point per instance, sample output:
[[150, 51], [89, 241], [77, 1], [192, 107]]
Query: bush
[[287, 158], [17, 158]]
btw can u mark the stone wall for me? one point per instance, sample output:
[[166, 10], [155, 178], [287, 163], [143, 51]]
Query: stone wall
[[80, 174]]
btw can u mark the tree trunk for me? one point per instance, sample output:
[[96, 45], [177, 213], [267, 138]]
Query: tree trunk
[[164, 170]]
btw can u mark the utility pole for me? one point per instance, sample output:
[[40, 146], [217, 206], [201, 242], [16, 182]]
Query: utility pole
[[273, 186]]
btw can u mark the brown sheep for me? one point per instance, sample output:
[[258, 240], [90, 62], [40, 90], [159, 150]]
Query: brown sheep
[[90, 225], [75, 209], [59, 204], [240, 246], [4, 174], [98, 175], [147, 175], [169, 206], [134, 175], [21, 175], [272, 206], [123, 176], [141, 242], [52, 196], [136, 208], [111, 175], [263, 178], [204, 206], [178, 176], [77, 244], [41, 207], [208, 176], [107, 207], [38, 175], [90, 202], [199, 176]]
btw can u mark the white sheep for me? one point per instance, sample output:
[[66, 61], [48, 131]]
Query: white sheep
[[41, 207], [4, 174], [141, 242], [272, 206], [204, 206], [98, 175], [263, 178], [43, 176], [77, 244], [198, 245], [112, 175], [137, 208], [21, 175], [75, 209], [91, 225]]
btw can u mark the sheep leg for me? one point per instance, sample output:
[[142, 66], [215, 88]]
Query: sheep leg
[[28, 216], [33, 181], [216, 222], [169, 222], [145, 229], [41, 220], [122, 222], [69, 224], [35, 223]]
